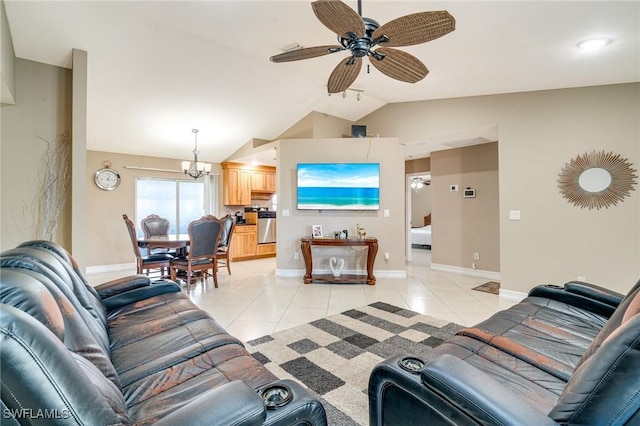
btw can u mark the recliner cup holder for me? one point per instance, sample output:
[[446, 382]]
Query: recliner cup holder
[[411, 364], [276, 396]]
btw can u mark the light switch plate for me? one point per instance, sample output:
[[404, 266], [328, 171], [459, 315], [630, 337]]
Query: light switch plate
[[285, 212], [514, 214], [386, 213]]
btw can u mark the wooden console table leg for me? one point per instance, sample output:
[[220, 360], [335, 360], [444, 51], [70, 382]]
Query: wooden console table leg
[[371, 258], [305, 247]]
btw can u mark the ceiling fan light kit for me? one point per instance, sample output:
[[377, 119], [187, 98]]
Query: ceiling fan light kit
[[360, 35]]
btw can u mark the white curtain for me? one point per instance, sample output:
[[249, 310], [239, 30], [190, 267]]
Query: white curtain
[[211, 195]]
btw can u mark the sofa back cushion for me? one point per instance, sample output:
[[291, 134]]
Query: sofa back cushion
[[39, 374], [39, 297], [54, 268], [605, 385]]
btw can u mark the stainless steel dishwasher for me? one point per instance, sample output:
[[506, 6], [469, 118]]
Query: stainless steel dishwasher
[[266, 227]]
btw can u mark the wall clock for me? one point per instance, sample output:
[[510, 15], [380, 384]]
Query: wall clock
[[107, 178]]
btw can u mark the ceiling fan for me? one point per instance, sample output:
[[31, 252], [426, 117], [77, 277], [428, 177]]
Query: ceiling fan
[[361, 35]]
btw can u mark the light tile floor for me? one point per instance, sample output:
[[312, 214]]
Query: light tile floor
[[253, 302]]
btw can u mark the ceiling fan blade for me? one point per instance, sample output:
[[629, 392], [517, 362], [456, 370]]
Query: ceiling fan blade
[[344, 75], [400, 65], [416, 28], [338, 17], [306, 53]]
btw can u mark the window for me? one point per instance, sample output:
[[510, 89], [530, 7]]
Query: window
[[179, 201]]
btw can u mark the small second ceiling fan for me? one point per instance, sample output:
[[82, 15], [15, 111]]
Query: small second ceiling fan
[[361, 35]]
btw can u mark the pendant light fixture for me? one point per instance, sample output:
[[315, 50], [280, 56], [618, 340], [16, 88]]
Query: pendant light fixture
[[198, 168]]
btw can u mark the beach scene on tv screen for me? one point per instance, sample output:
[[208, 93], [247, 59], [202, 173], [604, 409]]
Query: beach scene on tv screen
[[338, 186]]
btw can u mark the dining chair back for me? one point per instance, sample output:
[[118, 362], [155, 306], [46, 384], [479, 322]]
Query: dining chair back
[[223, 256], [159, 261], [204, 238], [155, 226]]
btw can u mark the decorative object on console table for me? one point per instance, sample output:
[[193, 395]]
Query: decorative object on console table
[[336, 265], [361, 232], [372, 250], [316, 231]]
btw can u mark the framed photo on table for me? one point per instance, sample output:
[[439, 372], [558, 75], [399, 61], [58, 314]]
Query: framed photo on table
[[316, 231]]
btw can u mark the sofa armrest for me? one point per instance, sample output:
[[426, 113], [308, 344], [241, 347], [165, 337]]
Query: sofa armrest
[[448, 391], [479, 395], [111, 288], [579, 295], [595, 292], [135, 294], [233, 403], [304, 408]]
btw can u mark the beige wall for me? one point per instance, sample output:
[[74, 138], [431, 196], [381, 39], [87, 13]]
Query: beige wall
[[538, 133], [43, 110], [107, 240], [464, 226], [7, 60], [389, 230]]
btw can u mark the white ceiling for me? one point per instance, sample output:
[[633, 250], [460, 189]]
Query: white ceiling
[[157, 69]]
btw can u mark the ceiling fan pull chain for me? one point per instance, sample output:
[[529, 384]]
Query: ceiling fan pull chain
[[368, 70], [360, 8]]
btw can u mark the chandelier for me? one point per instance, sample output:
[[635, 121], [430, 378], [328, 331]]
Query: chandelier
[[198, 168]]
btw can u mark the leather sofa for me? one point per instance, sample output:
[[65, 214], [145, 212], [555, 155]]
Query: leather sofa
[[565, 355], [129, 351]]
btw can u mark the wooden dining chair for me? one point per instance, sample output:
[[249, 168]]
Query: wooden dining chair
[[156, 226], [159, 261], [204, 238], [222, 256]]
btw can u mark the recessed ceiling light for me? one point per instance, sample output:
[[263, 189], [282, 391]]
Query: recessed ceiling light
[[593, 44]]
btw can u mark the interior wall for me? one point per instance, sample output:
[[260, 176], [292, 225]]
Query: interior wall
[[43, 111], [464, 226], [7, 60], [539, 132], [105, 208], [294, 224]]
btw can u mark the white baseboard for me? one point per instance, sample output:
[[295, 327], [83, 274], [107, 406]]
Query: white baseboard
[[490, 275], [378, 273], [292, 273], [99, 269], [515, 296]]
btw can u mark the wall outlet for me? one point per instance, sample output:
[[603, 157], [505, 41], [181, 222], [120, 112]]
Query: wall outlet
[[473, 265], [581, 278], [476, 256], [386, 256], [296, 255]]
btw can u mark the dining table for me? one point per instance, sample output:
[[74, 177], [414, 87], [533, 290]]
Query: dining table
[[180, 242]]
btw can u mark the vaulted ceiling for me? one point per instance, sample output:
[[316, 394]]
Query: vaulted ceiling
[[157, 69]]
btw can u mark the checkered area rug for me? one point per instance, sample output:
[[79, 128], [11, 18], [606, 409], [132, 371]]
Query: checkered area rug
[[334, 356]]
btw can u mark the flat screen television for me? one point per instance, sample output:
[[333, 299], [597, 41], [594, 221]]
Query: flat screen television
[[338, 186]]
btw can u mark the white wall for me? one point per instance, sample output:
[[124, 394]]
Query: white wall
[[538, 133]]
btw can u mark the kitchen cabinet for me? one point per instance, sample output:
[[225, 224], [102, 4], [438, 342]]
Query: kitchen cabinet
[[244, 242], [236, 185], [266, 249], [263, 181]]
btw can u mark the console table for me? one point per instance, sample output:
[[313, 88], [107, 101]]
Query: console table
[[372, 250]]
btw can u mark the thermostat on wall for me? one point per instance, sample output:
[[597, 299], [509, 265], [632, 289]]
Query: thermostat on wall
[[469, 193]]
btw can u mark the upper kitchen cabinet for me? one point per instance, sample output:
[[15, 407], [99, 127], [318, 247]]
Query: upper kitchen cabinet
[[263, 180], [236, 184]]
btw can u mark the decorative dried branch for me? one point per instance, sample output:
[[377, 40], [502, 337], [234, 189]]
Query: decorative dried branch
[[54, 179], [623, 178]]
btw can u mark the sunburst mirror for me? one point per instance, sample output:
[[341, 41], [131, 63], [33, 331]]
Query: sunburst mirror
[[597, 180]]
